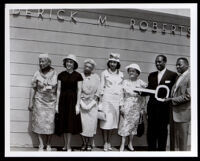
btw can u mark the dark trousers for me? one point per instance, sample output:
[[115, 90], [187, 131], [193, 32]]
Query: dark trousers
[[157, 129]]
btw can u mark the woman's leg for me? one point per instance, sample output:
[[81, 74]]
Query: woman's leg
[[104, 133], [122, 143], [92, 142], [65, 141], [89, 145], [49, 139], [109, 134], [49, 142], [84, 143], [41, 145], [69, 141], [130, 145]]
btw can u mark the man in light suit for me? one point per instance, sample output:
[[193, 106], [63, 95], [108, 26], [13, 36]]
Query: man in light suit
[[180, 105], [157, 111]]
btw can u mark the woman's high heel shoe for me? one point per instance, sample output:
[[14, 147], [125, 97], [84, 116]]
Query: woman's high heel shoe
[[69, 150], [105, 147], [48, 148], [64, 148], [83, 147], [109, 147], [121, 148], [89, 148], [41, 148], [130, 148]]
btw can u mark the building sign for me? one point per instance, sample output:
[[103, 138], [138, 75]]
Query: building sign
[[143, 25]]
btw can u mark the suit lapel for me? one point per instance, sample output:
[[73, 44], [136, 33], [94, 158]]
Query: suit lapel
[[181, 82], [173, 87]]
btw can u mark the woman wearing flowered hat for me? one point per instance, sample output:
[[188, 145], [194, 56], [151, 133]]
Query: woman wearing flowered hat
[[68, 100], [88, 104], [43, 100], [133, 106], [111, 96]]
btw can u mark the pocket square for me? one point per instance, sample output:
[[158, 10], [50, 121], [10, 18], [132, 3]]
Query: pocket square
[[167, 81]]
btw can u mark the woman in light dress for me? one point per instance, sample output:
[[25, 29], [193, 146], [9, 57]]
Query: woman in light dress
[[88, 104], [133, 106], [111, 98], [43, 101]]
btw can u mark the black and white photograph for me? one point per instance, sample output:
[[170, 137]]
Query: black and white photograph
[[101, 80]]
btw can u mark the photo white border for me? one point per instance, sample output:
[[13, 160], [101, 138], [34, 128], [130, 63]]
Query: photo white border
[[193, 58]]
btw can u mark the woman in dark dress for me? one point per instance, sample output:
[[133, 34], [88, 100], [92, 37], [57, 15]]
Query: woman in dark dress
[[68, 100]]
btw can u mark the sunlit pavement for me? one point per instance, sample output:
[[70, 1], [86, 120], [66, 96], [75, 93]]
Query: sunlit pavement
[[75, 149]]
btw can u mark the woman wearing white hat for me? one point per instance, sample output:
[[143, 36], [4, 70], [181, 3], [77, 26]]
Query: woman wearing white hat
[[111, 94], [43, 100], [68, 100], [133, 105], [88, 104]]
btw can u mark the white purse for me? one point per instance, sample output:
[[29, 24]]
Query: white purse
[[101, 114]]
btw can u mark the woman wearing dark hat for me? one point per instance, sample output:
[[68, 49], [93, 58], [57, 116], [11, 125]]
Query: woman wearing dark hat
[[68, 100], [43, 101], [111, 96], [133, 105]]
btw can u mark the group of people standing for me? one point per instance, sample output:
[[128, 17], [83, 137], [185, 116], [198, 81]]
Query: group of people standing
[[76, 97]]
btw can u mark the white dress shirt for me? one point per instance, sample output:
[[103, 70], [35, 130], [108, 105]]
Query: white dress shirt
[[160, 74]]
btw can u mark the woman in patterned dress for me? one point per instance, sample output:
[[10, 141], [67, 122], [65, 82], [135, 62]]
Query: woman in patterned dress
[[132, 107], [68, 100], [43, 100], [111, 96], [88, 104]]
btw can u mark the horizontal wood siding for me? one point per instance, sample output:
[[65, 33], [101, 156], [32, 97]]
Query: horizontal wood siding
[[32, 36]]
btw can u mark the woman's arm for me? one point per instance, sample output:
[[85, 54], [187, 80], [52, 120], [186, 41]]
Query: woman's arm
[[102, 85], [58, 95], [32, 91], [80, 83], [97, 93], [32, 94], [121, 105]]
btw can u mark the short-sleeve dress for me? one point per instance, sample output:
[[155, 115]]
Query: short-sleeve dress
[[69, 121], [44, 102], [133, 104]]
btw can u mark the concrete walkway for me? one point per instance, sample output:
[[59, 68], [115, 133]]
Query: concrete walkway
[[73, 149]]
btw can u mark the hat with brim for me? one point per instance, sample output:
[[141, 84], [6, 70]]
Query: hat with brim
[[91, 61], [114, 57], [43, 56], [134, 66], [72, 57]]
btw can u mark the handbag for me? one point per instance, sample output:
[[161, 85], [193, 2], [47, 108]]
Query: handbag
[[57, 124], [140, 129], [101, 114]]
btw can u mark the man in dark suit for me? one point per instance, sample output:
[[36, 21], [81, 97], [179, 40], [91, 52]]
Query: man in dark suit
[[180, 105], [157, 111]]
